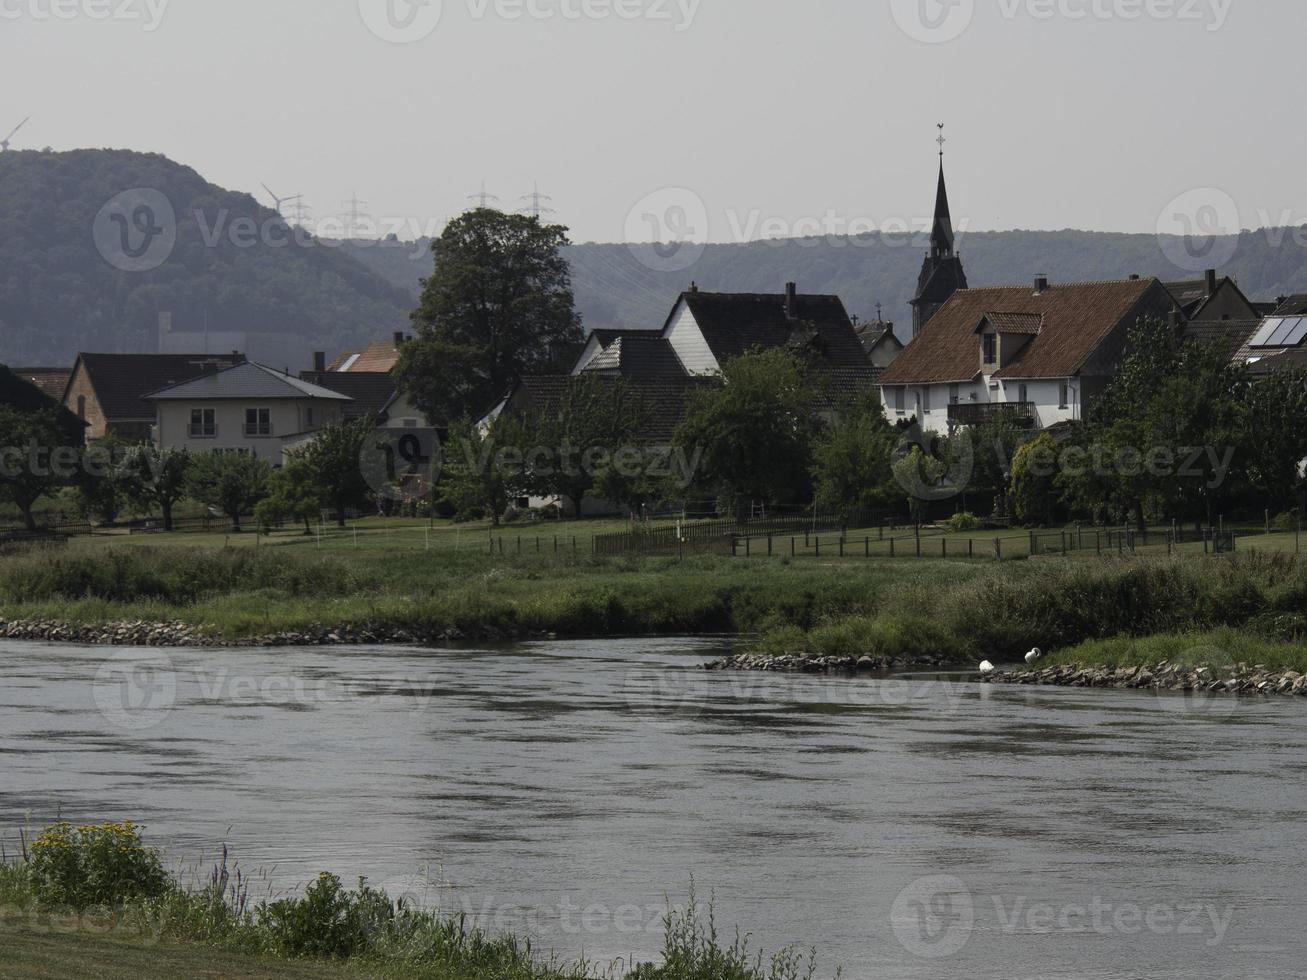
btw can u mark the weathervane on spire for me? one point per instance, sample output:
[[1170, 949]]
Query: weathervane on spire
[[941, 141]]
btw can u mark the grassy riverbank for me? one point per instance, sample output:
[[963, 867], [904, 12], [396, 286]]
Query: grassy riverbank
[[95, 901], [1220, 650], [232, 589]]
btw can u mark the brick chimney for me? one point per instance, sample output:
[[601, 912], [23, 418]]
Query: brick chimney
[[320, 361], [1041, 284], [1211, 281], [399, 338]]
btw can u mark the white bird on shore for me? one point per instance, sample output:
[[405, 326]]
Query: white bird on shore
[[1033, 656], [987, 668]]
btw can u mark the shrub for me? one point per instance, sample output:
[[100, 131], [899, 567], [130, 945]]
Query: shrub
[[964, 522], [328, 921], [106, 864]]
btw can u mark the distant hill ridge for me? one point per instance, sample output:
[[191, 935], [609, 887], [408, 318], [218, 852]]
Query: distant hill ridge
[[234, 266]]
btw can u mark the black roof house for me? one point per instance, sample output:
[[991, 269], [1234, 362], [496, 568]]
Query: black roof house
[[942, 274]]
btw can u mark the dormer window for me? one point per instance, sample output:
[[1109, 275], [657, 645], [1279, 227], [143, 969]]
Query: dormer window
[[989, 344]]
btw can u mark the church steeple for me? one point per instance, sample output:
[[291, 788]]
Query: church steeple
[[941, 236], [942, 274]]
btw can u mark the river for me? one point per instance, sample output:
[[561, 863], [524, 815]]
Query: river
[[909, 827]]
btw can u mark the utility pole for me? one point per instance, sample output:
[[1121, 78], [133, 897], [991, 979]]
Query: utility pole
[[535, 207]]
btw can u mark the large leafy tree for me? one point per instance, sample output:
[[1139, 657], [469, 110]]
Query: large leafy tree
[[1274, 458], [484, 468], [153, 477], [498, 306], [852, 460], [294, 493], [590, 427], [755, 428], [36, 460], [231, 482], [335, 458]]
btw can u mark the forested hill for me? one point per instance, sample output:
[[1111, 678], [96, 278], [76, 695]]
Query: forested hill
[[59, 293], [615, 288]]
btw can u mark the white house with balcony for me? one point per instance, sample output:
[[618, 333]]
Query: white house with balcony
[[1040, 353], [247, 408]]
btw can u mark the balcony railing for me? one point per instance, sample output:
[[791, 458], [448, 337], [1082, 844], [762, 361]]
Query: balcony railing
[[257, 431], [978, 413]]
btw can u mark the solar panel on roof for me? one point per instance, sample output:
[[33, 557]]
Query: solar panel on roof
[[1286, 327], [1264, 332], [1298, 333]]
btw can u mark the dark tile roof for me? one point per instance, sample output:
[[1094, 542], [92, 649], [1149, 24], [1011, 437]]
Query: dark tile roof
[[121, 381], [733, 323], [1077, 319], [606, 336], [245, 381], [1295, 305], [1190, 294], [646, 358], [51, 381], [1233, 335], [663, 402], [872, 332], [371, 391], [1292, 359]]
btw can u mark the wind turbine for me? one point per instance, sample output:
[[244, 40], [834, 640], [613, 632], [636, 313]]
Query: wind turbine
[[279, 201], [4, 143]]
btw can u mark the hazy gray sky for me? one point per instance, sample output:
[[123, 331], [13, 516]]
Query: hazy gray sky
[[1091, 114]]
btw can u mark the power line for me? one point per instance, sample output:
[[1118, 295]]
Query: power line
[[482, 199], [536, 206]]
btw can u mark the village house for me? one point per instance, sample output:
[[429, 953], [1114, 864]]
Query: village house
[[1039, 352], [1213, 298], [247, 408], [377, 358], [108, 391]]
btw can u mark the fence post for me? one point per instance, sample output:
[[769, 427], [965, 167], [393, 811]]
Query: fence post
[[748, 547], [891, 548], [1098, 543], [794, 546], [1034, 544], [1297, 536], [917, 530], [817, 542], [769, 546], [971, 548], [866, 547], [943, 547], [1268, 521], [998, 549]]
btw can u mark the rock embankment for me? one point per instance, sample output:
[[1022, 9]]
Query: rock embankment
[[147, 634], [1165, 676], [799, 664]]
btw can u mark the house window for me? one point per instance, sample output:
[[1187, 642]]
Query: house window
[[308, 415], [898, 400], [925, 400], [1023, 395], [258, 422], [81, 407], [991, 348], [1063, 396], [204, 423], [954, 394]]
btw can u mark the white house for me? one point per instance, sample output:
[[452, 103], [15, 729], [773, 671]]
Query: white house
[[1039, 352], [248, 408]]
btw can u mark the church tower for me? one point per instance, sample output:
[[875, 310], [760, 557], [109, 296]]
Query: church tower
[[941, 274]]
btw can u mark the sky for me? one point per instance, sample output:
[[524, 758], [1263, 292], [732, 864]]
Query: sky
[[723, 120]]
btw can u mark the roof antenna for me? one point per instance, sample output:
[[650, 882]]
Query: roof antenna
[[941, 141]]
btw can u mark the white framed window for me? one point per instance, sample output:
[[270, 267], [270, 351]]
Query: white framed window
[[954, 394], [990, 348], [258, 422], [1064, 395], [925, 399], [898, 400], [204, 423]]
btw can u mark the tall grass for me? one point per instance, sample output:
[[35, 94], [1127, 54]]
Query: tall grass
[[363, 925], [1058, 604]]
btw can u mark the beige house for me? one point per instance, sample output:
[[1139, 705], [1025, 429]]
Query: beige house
[[247, 408]]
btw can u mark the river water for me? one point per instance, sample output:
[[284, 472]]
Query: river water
[[909, 827]]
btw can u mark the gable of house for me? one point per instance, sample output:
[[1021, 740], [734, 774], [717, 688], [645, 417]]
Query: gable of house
[[109, 391]]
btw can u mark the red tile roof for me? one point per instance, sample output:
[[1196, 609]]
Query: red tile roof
[[51, 381], [1077, 319], [378, 358]]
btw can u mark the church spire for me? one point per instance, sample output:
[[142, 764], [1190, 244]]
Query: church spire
[[941, 274], [941, 235]]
